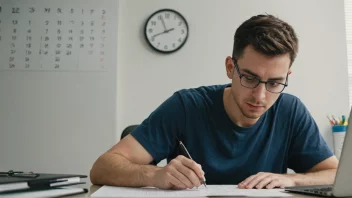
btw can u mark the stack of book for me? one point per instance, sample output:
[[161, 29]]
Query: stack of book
[[22, 184]]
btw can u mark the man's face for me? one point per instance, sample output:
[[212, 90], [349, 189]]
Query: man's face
[[254, 102]]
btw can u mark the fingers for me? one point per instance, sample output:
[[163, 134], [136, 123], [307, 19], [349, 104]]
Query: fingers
[[266, 180], [275, 183], [174, 181], [182, 169], [244, 183], [190, 175], [179, 176], [263, 183], [197, 168], [254, 180]]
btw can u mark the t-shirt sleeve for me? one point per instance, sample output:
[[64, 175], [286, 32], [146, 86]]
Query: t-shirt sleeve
[[160, 131], [307, 147]]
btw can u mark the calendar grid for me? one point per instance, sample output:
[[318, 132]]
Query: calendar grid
[[55, 36]]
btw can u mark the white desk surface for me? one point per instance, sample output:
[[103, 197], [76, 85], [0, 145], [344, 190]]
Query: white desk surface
[[92, 188]]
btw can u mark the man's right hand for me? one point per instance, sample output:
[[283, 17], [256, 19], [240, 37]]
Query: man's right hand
[[180, 173]]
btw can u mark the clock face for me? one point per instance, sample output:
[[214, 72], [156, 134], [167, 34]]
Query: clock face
[[166, 31]]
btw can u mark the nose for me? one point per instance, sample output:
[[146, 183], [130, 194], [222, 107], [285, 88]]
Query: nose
[[259, 92]]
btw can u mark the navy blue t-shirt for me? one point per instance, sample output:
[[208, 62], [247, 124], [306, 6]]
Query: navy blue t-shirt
[[286, 136]]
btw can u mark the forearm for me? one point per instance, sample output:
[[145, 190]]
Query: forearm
[[314, 178], [115, 170]]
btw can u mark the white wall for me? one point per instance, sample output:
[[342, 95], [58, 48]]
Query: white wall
[[56, 121], [44, 130], [147, 78]]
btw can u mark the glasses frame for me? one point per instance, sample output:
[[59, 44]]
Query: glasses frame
[[259, 81]]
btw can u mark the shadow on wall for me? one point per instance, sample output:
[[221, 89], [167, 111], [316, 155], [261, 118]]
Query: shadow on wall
[[128, 130]]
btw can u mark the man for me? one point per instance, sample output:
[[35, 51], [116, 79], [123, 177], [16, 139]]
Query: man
[[246, 133]]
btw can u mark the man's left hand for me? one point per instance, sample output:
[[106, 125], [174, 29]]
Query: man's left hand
[[267, 180]]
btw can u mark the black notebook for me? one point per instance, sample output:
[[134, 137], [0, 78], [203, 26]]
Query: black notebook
[[42, 181], [44, 193]]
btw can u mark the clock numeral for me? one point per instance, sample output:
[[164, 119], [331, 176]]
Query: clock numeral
[[180, 23], [167, 15], [16, 10], [182, 31], [180, 40], [150, 30], [158, 44], [153, 22], [152, 38], [165, 47], [173, 45], [160, 17]]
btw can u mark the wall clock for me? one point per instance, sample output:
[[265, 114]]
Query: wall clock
[[166, 30]]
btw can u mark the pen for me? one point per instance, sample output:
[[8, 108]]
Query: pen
[[184, 150], [343, 120], [337, 121], [330, 120]]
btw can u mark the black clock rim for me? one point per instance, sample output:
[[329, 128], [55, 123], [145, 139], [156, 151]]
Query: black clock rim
[[145, 31]]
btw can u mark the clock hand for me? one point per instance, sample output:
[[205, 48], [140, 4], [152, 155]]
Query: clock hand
[[162, 20], [159, 34], [166, 31], [169, 30]]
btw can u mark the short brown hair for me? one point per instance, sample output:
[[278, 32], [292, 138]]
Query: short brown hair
[[268, 35]]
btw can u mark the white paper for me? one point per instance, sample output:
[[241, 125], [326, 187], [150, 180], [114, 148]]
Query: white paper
[[211, 191]]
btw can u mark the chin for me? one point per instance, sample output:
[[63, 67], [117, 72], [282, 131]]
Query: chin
[[252, 115]]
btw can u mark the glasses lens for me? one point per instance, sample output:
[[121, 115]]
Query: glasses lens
[[252, 82], [249, 81], [275, 87]]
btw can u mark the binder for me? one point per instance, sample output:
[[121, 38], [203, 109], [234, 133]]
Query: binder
[[41, 181], [44, 193]]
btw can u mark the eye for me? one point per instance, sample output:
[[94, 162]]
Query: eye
[[250, 78], [273, 84]]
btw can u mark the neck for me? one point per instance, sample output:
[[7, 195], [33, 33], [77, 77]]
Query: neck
[[234, 112]]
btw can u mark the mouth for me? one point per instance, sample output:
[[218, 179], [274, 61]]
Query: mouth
[[255, 107]]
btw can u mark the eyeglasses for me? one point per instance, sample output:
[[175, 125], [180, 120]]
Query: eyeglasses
[[253, 81], [12, 173]]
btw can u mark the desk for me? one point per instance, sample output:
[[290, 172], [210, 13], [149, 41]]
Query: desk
[[92, 188]]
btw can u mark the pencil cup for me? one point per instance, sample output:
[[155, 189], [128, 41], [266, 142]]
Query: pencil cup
[[338, 132]]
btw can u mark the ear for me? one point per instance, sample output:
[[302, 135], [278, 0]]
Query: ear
[[289, 72], [229, 67]]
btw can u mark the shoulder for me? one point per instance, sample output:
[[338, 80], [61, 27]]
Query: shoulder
[[288, 102], [293, 110], [290, 107], [289, 98], [192, 98], [202, 94]]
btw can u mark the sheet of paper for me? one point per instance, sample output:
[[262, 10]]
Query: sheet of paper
[[211, 191]]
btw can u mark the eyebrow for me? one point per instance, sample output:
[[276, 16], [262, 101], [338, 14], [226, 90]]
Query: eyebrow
[[253, 74]]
